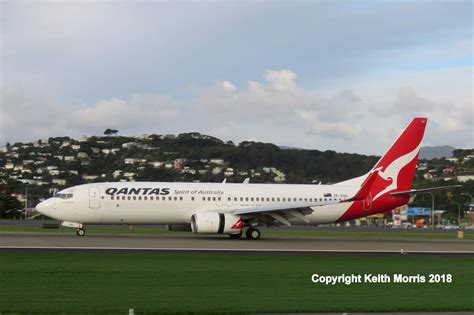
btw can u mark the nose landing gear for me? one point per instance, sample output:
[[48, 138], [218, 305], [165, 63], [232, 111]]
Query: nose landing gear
[[80, 232]]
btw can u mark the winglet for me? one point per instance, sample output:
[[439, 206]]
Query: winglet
[[365, 188]]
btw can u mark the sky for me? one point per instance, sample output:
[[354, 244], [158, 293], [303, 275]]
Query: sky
[[328, 75]]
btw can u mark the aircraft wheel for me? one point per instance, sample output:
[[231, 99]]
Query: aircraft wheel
[[80, 232], [238, 235], [253, 234]]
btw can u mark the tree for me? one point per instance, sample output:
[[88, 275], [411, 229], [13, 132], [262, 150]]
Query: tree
[[110, 132], [7, 205]]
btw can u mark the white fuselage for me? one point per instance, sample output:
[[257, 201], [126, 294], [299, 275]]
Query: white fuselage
[[175, 203]]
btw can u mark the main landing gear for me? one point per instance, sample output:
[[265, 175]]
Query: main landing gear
[[80, 232], [251, 234]]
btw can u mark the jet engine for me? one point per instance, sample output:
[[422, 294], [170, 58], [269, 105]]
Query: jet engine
[[215, 222]]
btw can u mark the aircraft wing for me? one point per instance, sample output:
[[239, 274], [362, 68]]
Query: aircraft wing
[[281, 213], [281, 208]]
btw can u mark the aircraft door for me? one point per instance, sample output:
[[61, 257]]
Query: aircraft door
[[94, 198]]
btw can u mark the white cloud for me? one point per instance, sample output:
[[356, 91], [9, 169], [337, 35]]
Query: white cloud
[[141, 111], [330, 129], [409, 101], [283, 80], [276, 109]]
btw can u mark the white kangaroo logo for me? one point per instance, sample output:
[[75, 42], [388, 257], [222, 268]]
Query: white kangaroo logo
[[393, 170]]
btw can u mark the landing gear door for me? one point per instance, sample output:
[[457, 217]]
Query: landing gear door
[[94, 198]]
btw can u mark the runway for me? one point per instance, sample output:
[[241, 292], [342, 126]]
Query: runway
[[224, 245]]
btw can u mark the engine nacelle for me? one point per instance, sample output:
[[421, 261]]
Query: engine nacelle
[[217, 223]]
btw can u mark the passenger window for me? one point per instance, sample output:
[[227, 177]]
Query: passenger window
[[241, 199], [310, 199], [273, 199], [246, 198], [170, 198], [145, 198], [235, 198], [213, 198], [301, 199], [268, 199], [203, 198], [219, 198], [111, 197], [278, 199], [228, 199], [151, 198], [251, 199], [192, 198], [134, 198], [140, 198], [257, 199], [129, 198], [284, 199], [208, 198]]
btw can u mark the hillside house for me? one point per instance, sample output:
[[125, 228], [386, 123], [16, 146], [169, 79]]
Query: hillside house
[[216, 170], [53, 172], [465, 178], [216, 161], [229, 172], [82, 155], [90, 177], [60, 182]]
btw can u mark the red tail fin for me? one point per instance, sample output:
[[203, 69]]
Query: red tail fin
[[397, 167]]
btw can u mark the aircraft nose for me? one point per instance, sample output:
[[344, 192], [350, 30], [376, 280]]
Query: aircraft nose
[[43, 207]]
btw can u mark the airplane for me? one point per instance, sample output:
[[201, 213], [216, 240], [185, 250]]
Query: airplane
[[229, 208]]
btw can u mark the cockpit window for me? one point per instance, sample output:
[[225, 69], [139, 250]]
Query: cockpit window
[[64, 196]]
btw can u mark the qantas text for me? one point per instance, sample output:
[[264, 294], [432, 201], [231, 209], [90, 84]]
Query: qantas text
[[137, 191]]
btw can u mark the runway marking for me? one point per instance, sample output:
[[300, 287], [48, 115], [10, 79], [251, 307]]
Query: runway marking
[[177, 249]]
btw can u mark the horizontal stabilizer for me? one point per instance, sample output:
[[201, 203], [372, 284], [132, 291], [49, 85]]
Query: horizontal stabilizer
[[421, 191]]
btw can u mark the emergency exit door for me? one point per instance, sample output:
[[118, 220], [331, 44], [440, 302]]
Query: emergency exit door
[[94, 198]]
